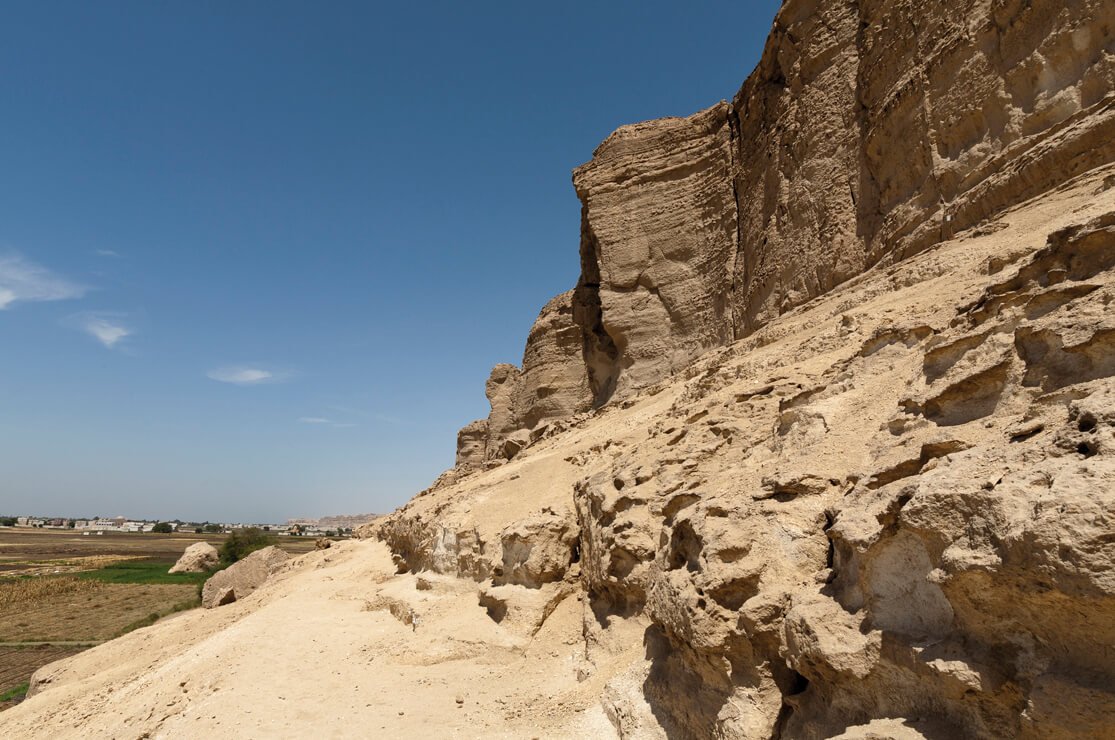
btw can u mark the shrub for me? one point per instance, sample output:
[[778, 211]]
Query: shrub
[[242, 542], [162, 528]]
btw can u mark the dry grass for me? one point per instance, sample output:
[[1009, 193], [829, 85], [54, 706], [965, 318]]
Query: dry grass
[[98, 612], [23, 592]]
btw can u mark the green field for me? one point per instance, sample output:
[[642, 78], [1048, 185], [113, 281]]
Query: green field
[[141, 571]]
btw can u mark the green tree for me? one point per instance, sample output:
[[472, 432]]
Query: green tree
[[163, 528], [242, 542], [213, 528]]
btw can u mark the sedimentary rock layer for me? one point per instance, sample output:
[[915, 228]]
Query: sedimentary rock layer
[[551, 385], [869, 131], [887, 513]]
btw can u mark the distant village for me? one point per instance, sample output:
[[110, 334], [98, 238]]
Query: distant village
[[331, 526]]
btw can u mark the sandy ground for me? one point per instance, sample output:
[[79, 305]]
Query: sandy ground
[[313, 650]]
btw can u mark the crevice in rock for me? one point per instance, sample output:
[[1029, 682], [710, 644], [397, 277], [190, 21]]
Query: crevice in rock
[[737, 245], [601, 355], [796, 685]]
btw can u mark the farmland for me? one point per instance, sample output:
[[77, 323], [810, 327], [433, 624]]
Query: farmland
[[61, 591]]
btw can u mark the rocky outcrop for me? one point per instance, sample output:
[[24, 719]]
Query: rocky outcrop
[[472, 445], [877, 495], [658, 247], [554, 383], [551, 385], [884, 514], [198, 558], [868, 132], [850, 340], [242, 577]]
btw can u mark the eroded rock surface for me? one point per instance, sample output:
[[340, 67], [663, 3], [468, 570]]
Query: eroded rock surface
[[198, 558], [869, 132], [242, 577], [886, 514], [850, 343]]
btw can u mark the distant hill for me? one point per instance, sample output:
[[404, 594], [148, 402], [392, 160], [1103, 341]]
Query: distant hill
[[337, 521]]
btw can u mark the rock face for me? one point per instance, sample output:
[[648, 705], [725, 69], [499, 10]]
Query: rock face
[[242, 577], [552, 385], [850, 343], [658, 248], [198, 558], [887, 514], [869, 131], [822, 444], [472, 445]]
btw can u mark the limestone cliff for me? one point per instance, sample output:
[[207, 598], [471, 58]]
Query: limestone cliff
[[888, 513], [869, 131], [551, 386], [861, 317]]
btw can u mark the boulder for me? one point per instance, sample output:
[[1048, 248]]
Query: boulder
[[243, 577], [198, 558]]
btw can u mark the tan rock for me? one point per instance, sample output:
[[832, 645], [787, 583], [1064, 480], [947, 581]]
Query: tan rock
[[472, 445], [242, 577], [849, 145], [198, 558], [554, 382], [658, 246]]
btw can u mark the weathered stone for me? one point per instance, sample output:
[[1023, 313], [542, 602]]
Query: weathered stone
[[242, 577], [472, 445], [554, 383], [851, 144], [198, 558]]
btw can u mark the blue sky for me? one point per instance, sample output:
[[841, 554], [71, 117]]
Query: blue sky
[[257, 259]]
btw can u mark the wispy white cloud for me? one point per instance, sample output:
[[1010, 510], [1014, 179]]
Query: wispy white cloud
[[107, 331], [110, 328], [23, 280], [322, 421], [106, 253], [246, 375]]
